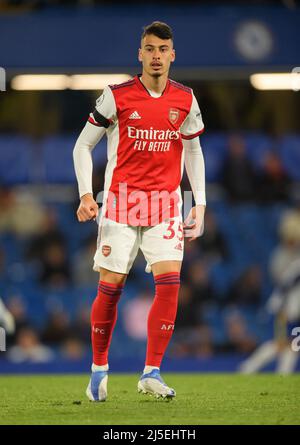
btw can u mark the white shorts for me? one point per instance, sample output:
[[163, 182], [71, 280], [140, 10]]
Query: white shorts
[[118, 244]]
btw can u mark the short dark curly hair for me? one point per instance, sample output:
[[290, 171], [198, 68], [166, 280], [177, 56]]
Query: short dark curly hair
[[159, 29]]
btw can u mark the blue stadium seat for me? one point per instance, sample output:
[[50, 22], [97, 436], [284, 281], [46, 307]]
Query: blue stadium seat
[[257, 146], [57, 155], [23, 161], [15, 160], [214, 151], [58, 158]]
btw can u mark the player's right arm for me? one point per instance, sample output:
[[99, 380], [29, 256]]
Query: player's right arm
[[98, 122], [194, 163]]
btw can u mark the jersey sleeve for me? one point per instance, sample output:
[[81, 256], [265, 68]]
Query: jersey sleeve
[[105, 113], [193, 125]]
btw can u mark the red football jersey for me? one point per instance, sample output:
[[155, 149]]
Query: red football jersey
[[145, 151]]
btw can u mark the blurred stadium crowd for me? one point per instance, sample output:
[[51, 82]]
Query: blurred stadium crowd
[[239, 285], [252, 235]]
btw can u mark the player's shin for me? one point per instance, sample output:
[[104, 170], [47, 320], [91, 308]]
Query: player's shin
[[162, 317], [103, 320]]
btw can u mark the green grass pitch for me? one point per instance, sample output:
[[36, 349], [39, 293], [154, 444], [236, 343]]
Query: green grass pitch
[[201, 399]]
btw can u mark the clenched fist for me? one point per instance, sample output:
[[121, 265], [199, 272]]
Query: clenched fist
[[88, 208]]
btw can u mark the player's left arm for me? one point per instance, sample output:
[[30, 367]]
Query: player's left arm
[[194, 164]]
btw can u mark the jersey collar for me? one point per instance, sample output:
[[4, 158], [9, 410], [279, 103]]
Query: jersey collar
[[142, 87]]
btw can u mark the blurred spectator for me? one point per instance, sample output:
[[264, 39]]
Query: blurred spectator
[[72, 349], [83, 264], [55, 267], [247, 289], [21, 214], [191, 336], [82, 324], [239, 339], [135, 315], [191, 254], [28, 348], [238, 176], [212, 242], [48, 248], [284, 305], [18, 310], [273, 183], [289, 228], [57, 328], [200, 284], [288, 249], [48, 234]]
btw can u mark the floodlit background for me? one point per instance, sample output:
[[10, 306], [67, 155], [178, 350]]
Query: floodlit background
[[58, 56]]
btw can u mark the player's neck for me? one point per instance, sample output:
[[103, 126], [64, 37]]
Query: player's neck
[[156, 84]]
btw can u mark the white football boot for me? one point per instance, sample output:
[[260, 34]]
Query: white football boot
[[152, 383], [97, 387]]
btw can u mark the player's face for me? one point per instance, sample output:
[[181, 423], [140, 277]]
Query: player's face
[[156, 55]]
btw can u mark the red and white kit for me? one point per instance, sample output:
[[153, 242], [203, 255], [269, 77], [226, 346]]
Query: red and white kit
[[150, 139]]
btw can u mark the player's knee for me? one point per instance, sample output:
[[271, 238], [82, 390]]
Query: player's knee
[[162, 267], [112, 277]]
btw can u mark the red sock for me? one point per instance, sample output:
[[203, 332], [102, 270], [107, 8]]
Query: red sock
[[103, 320], [162, 316]]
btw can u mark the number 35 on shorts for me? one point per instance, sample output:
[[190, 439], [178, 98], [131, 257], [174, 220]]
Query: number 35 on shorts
[[175, 228]]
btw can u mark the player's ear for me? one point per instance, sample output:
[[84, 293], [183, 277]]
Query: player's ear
[[140, 55], [173, 55]]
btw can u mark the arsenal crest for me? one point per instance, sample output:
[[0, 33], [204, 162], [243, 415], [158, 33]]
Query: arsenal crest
[[106, 250], [173, 115]]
